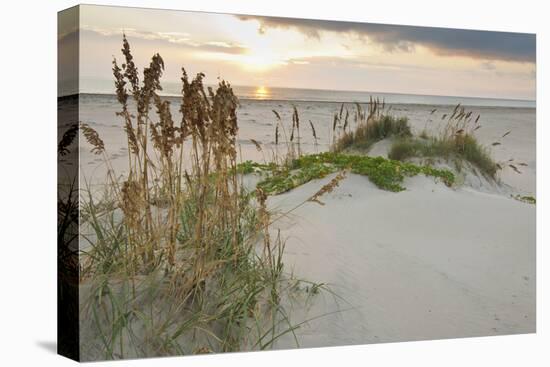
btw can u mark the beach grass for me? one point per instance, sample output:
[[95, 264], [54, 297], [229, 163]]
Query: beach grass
[[456, 142], [181, 258], [466, 148], [369, 128], [375, 124]]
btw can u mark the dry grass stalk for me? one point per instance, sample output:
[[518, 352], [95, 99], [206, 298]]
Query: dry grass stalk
[[67, 139], [328, 188], [256, 144], [98, 147], [313, 132]]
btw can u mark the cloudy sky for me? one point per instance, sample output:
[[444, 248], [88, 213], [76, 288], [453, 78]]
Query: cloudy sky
[[317, 54]]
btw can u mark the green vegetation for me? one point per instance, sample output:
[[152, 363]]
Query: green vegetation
[[371, 131], [248, 167], [384, 173], [460, 148], [455, 142]]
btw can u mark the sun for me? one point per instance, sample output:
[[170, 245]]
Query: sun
[[261, 92], [261, 60]]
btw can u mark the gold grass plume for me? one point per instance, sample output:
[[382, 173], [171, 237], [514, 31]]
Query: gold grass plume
[[179, 233]]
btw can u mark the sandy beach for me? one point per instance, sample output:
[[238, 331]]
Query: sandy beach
[[430, 262]]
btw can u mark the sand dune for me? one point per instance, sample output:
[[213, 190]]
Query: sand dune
[[430, 262]]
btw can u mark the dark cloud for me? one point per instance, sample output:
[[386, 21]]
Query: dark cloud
[[485, 45]]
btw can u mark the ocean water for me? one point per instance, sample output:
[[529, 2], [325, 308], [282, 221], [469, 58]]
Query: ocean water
[[101, 86]]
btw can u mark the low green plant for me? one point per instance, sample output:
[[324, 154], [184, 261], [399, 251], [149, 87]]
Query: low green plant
[[387, 174], [248, 167]]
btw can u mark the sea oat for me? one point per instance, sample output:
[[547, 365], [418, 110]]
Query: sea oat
[[256, 144], [93, 138], [67, 140], [328, 188]]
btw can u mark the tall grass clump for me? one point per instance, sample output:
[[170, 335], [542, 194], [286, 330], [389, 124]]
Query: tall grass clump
[[375, 125], [179, 257], [456, 141]]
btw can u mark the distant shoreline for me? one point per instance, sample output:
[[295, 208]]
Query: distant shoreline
[[173, 96]]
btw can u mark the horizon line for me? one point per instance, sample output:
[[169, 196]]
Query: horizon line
[[326, 90]]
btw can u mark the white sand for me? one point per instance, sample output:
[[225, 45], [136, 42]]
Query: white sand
[[430, 262]]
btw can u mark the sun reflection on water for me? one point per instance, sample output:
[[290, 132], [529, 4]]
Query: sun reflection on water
[[262, 93]]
